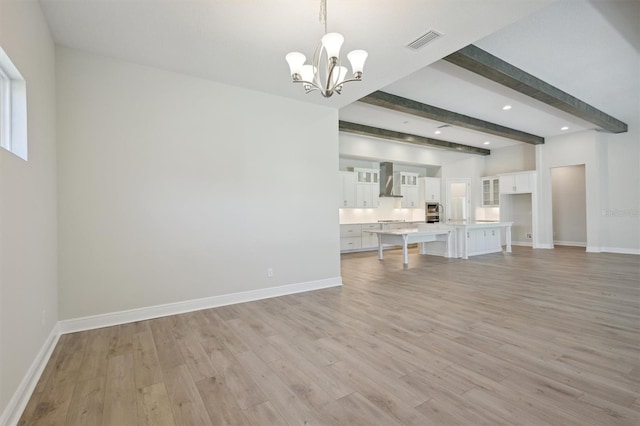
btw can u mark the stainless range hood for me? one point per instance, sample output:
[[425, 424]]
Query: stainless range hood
[[386, 180]]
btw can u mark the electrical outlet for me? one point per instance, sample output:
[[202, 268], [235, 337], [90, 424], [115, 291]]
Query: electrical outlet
[[270, 272], [528, 235]]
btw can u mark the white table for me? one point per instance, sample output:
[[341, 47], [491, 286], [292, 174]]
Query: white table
[[405, 237]]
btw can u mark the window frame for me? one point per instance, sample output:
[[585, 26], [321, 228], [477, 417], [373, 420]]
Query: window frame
[[13, 108]]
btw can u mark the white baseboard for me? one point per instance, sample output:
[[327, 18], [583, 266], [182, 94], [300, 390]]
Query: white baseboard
[[140, 314], [619, 250], [18, 402], [522, 243], [570, 243], [544, 246]]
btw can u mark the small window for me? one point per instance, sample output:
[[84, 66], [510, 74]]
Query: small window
[[13, 108]]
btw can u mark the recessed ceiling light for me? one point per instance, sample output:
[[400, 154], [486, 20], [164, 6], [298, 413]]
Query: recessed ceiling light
[[437, 132], [487, 142], [506, 107], [564, 128]]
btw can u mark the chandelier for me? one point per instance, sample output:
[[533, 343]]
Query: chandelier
[[326, 73]]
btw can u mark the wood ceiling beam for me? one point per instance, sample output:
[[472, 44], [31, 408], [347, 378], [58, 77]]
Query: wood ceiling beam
[[361, 129], [476, 60], [408, 106]]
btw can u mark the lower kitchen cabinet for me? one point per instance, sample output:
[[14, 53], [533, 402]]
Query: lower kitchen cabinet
[[483, 241], [369, 240], [350, 243], [350, 237], [354, 237]]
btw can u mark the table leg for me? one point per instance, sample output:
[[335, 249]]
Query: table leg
[[380, 256], [405, 255], [507, 236], [465, 244]]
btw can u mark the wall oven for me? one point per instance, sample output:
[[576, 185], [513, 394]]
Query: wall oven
[[432, 212]]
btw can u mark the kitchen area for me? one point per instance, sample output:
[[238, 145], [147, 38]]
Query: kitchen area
[[389, 204]]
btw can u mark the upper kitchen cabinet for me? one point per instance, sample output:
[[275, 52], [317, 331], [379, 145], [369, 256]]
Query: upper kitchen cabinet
[[406, 184], [367, 188], [347, 189], [517, 183], [490, 191], [368, 176], [430, 188]]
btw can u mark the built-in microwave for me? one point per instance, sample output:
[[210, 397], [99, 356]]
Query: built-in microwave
[[432, 212]]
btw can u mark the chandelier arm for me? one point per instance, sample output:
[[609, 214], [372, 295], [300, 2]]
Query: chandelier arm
[[349, 80], [306, 83], [330, 87]]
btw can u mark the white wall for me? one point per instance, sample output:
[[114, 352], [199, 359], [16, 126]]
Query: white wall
[[612, 186], [569, 205], [379, 149], [620, 210], [28, 238], [518, 208], [569, 150], [515, 158], [173, 188]]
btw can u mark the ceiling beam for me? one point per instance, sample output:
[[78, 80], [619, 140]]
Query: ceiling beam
[[476, 60], [408, 106], [361, 129]]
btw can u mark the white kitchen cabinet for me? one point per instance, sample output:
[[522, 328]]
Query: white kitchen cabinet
[[347, 189], [347, 231], [406, 184], [410, 197], [490, 191], [350, 237], [369, 176], [517, 183], [367, 188], [355, 237], [353, 243], [369, 240], [431, 189], [483, 241], [367, 196]]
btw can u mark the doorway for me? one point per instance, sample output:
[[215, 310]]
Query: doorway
[[457, 200], [569, 206]]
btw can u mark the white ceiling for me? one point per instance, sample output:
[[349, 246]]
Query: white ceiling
[[587, 48], [244, 42]]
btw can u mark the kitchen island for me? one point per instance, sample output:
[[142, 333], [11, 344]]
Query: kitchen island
[[474, 238], [407, 236]]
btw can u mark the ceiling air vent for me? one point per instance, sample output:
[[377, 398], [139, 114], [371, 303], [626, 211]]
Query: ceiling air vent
[[424, 39]]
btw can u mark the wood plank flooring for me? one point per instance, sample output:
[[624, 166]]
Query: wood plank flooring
[[529, 338]]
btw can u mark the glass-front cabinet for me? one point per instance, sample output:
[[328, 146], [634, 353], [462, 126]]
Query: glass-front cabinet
[[490, 191], [368, 176]]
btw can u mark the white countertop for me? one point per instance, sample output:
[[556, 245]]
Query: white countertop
[[478, 224], [408, 222]]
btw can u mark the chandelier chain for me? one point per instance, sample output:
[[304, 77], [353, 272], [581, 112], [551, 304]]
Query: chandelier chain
[[323, 14]]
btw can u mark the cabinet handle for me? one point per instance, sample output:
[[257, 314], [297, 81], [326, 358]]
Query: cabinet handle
[[467, 234]]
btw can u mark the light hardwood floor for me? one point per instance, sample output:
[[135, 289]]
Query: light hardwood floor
[[533, 337]]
